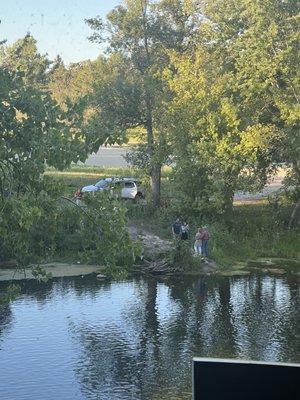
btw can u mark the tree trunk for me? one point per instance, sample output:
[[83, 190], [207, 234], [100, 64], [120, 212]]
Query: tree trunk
[[155, 184], [228, 203], [296, 170], [155, 172], [294, 213]]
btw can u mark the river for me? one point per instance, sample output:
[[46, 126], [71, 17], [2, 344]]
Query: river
[[79, 338]]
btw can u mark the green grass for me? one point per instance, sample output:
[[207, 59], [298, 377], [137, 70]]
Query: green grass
[[79, 176], [257, 231]]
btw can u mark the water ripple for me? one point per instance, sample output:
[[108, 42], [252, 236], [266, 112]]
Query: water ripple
[[82, 339]]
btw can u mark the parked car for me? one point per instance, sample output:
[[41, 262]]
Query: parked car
[[126, 188], [102, 184]]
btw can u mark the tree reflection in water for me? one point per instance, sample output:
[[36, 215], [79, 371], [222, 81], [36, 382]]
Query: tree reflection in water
[[146, 352], [5, 319]]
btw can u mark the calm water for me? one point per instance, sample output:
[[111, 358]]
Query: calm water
[[83, 339]]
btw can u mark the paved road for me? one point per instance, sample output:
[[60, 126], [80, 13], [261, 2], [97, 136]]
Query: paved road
[[267, 190], [112, 157], [108, 157]]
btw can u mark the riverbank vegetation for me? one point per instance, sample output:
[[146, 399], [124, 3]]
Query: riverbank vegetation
[[209, 91], [259, 228]]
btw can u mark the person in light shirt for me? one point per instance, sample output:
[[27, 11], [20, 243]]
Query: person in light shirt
[[185, 231], [78, 196], [198, 242]]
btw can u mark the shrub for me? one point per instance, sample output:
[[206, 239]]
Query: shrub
[[38, 225]]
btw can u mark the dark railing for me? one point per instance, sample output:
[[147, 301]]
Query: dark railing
[[218, 379]]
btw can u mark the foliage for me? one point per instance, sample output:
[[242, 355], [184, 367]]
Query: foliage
[[223, 85], [181, 256], [117, 102], [69, 85], [36, 132], [211, 88], [12, 292], [33, 131], [36, 227], [258, 230], [23, 58], [96, 232], [40, 274], [28, 224], [228, 120]]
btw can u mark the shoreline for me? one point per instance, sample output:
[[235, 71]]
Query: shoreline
[[267, 266], [57, 270]]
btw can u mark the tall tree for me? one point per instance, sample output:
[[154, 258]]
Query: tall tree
[[70, 83], [23, 57], [138, 33], [235, 104]]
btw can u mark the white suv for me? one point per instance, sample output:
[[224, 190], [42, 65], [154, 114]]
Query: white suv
[[126, 188]]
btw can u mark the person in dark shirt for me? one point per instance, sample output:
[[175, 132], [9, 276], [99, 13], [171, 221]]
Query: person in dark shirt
[[204, 236], [177, 229]]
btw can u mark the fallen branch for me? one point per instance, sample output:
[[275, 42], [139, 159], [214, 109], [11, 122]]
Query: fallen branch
[[157, 267]]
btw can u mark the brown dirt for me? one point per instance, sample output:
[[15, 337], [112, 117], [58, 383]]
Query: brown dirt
[[152, 244]]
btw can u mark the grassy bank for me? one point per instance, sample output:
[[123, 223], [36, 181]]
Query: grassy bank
[[257, 230]]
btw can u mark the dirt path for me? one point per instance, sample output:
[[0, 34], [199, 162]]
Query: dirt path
[[152, 244]]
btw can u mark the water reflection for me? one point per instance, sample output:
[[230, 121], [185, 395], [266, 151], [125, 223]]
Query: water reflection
[[135, 339], [5, 320], [171, 322]]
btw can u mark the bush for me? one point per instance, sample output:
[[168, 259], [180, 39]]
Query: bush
[[37, 226]]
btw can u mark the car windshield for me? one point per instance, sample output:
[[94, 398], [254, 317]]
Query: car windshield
[[101, 184]]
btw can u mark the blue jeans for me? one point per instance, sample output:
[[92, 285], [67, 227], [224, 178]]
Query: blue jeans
[[204, 248], [197, 248]]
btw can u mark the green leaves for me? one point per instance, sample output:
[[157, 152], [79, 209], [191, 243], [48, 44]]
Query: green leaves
[[11, 293], [97, 233], [38, 226], [40, 274], [234, 107], [33, 131], [23, 57]]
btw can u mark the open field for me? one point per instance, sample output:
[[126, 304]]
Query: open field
[[79, 176]]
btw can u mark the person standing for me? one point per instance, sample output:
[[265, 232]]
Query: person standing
[[198, 242], [205, 237], [185, 231], [177, 229], [78, 196]]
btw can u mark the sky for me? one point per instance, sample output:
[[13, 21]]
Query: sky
[[57, 25]]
